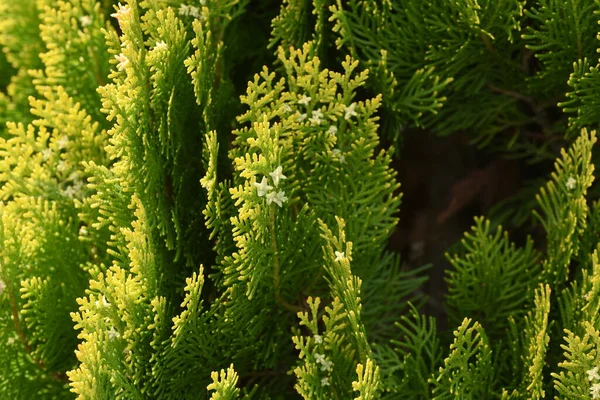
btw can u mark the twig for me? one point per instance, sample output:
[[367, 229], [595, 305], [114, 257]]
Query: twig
[[277, 267]]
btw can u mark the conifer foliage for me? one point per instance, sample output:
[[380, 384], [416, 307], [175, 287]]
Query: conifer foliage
[[178, 224]]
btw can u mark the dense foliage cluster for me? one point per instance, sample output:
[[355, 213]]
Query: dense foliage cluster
[[196, 199]]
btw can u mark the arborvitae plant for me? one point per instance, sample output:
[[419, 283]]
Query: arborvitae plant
[[168, 232], [47, 247], [494, 68], [507, 74]]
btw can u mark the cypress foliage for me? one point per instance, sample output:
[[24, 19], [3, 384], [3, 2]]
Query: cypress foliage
[[179, 221]]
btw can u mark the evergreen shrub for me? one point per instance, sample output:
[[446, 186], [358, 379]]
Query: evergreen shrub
[[197, 199]]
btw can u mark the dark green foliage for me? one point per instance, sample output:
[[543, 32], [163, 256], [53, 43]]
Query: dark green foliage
[[493, 281], [408, 364], [197, 199]]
